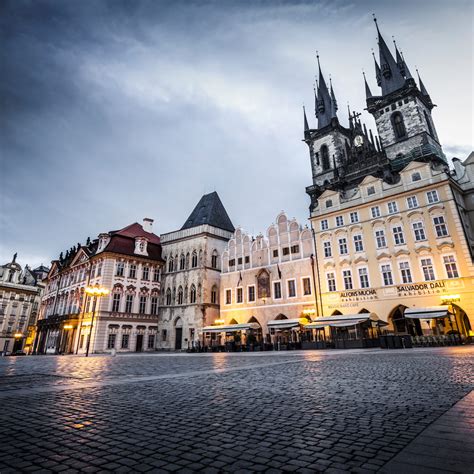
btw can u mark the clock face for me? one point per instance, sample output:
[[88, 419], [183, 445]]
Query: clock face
[[358, 140]]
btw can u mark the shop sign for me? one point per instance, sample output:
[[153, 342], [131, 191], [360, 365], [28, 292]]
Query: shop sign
[[359, 295], [422, 289]]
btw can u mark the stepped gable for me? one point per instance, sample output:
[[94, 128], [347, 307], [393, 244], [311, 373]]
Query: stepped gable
[[209, 210]]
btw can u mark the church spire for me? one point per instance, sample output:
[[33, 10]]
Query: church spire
[[315, 85], [368, 93], [391, 79], [306, 126], [333, 100], [423, 90], [378, 74], [324, 108]]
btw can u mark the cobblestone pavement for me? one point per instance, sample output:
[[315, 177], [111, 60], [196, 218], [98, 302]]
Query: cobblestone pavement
[[321, 411]]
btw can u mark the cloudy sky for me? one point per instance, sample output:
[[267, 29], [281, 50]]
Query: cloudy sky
[[117, 110]]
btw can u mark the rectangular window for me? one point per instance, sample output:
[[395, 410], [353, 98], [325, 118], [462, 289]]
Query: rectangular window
[[392, 207], [398, 236], [347, 277], [146, 273], [276, 290], [354, 216], [331, 280], [306, 286], [432, 196], [232, 262], [387, 276], [291, 288], [343, 246], [419, 231], [440, 226], [239, 261], [364, 277], [116, 302], [132, 272], [375, 211], [111, 341], [99, 269], [358, 243], [151, 341], [324, 224], [275, 253], [450, 266], [412, 202], [125, 341], [240, 295], [247, 259], [156, 274], [380, 239], [120, 269], [405, 272], [154, 305], [251, 293], [228, 296], [370, 191], [295, 248], [286, 251], [164, 335], [128, 303], [327, 249], [142, 309], [339, 221], [428, 269]]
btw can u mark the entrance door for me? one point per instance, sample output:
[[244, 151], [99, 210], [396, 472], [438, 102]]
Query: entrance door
[[178, 339], [139, 347]]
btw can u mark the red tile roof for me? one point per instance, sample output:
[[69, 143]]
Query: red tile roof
[[136, 230]]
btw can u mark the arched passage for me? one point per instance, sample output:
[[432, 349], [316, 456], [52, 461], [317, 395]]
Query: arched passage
[[402, 325]]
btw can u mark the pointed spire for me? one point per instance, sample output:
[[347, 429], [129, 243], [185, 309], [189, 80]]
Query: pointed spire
[[422, 86], [368, 93], [399, 58], [378, 74], [351, 125], [392, 79], [407, 71], [324, 112], [333, 100], [315, 99], [306, 126]]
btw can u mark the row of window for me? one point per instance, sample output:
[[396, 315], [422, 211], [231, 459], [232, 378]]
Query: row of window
[[419, 235], [128, 306], [412, 202], [285, 251], [183, 263], [386, 272], [291, 291], [133, 271], [125, 341], [181, 296]]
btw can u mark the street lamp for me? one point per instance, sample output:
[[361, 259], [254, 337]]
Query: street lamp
[[98, 292]]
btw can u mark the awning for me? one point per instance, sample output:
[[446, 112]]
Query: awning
[[286, 323], [427, 313], [231, 327], [344, 320]]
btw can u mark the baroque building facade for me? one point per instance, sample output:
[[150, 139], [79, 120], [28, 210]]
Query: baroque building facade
[[20, 298], [192, 273], [128, 264], [393, 223]]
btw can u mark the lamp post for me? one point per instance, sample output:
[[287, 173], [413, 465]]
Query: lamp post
[[97, 292]]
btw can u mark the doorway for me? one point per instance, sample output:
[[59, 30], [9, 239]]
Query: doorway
[[139, 347], [178, 339]]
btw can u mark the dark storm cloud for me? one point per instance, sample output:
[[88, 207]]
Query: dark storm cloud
[[112, 111]]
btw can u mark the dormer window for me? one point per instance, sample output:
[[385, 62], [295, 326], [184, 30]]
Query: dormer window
[[416, 177], [141, 246], [370, 190], [103, 241]]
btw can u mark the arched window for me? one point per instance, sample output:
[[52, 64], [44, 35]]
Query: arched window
[[170, 264], [182, 262], [168, 297], [325, 157], [173, 297], [192, 294], [428, 122], [398, 125], [180, 295], [187, 260], [214, 294], [214, 259], [194, 259]]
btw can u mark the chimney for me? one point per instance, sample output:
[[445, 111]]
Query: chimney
[[148, 225]]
